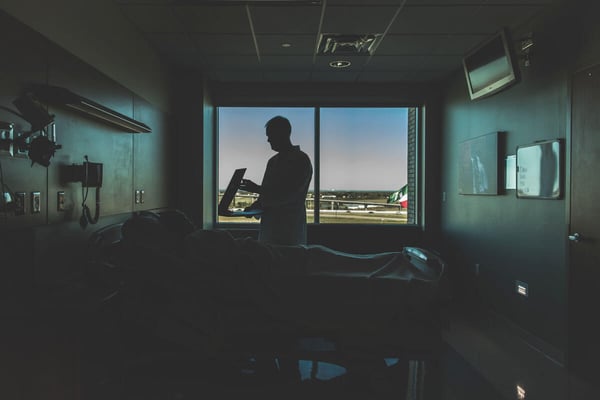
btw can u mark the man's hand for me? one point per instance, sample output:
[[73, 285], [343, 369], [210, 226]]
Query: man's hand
[[249, 186], [253, 206]]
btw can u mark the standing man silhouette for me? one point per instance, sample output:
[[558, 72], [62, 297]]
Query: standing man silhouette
[[282, 193]]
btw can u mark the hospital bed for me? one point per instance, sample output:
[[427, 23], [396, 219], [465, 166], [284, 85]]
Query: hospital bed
[[208, 293]]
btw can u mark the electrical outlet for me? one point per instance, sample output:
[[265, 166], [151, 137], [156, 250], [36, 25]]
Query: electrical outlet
[[6, 138], [522, 288], [36, 203], [60, 201]]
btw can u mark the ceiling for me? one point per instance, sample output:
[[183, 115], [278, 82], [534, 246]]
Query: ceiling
[[419, 40]]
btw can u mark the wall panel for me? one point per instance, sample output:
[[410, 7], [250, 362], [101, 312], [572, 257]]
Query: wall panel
[[81, 135], [514, 239], [26, 61], [153, 157]]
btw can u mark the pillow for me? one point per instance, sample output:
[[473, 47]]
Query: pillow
[[162, 231]]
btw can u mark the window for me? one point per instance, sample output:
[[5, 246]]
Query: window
[[365, 168]]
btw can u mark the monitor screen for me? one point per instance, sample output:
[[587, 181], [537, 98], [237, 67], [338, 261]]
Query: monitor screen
[[489, 67]]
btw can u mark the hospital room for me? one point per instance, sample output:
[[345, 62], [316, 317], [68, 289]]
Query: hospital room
[[301, 199]]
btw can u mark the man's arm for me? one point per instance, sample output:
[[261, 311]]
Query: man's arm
[[250, 186]]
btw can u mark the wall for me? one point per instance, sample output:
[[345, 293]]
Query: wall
[[516, 239], [50, 354], [99, 34], [131, 161]]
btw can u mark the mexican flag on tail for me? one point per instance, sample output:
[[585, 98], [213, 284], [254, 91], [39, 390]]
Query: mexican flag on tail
[[399, 197]]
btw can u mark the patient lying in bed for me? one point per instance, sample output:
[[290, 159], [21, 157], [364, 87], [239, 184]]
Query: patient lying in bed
[[308, 286]]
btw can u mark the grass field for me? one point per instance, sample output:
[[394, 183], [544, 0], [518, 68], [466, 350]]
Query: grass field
[[339, 210]]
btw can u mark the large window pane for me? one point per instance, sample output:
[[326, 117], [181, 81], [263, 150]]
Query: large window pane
[[243, 144], [363, 165]]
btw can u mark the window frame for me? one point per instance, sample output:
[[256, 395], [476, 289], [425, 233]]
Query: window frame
[[418, 179]]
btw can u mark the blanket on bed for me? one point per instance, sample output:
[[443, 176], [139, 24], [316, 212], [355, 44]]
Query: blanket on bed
[[316, 285]]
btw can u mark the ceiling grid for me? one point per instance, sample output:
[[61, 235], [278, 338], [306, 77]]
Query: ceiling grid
[[236, 41]]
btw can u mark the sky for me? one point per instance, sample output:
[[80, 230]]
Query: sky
[[361, 148]]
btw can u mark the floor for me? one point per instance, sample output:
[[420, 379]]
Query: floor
[[176, 378]]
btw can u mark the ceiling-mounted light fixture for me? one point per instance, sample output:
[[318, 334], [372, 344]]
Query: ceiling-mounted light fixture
[[340, 64]]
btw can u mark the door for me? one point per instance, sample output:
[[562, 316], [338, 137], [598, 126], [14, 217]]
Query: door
[[584, 235]]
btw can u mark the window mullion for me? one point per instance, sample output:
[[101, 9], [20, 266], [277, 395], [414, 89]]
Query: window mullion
[[317, 167]]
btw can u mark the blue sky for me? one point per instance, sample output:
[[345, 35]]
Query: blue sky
[[361, 148]]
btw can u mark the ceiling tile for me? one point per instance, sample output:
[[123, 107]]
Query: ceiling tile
[[436, 20], [287, 76], [213, 19], [152, 18], [334, 76], [445, 2], [225, 44], [162, 2], [414, 62], [402, 76], [464, 19], [300, 44], [427, 44], [292, 62], [362, 2], [511, 16], [458, 44], [357, 19], [286, 20]]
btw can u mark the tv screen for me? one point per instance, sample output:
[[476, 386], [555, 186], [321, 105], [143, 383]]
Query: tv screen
[[490, 67]]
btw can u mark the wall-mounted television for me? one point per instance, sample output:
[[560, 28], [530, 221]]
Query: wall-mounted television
[[491, 67]]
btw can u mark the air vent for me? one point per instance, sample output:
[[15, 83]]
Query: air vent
[[354, 44]]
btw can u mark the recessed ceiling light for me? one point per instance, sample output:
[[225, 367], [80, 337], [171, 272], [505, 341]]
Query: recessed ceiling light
[[340, 64], [286, 45]]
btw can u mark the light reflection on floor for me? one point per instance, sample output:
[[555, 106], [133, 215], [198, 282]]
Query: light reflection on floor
[[326, 377]]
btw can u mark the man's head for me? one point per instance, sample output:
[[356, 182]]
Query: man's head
[[278, 130]]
